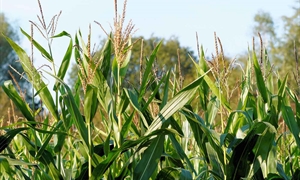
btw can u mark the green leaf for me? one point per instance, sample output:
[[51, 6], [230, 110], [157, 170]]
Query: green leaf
[[16, 162], [212, 110], [67, 123], [77, 49], [281, 91], [214, 89], [155, 91], [273, 176], [38, 46], [260, 79], [63, 33], [75, 113], [4, 167], [46, 158], [203, 89], [263, 148], [35, 78], [8, 137], [185, 175], [166, 90], [168, 173], [133, 99], [105, 59], [66, 60], [203, 135], [104, 165], [107, 145], [281, 171], [127, 125], [12, 93], [114, 69], [115, 153], [296, 174], [149, 161], [181, 153], [242, 157], [90, 103], [289, 119], [202, 61], [261, 109], [148, 71], [176, 126], [237, 119], [214, 161], [48, 138], [176, 103]]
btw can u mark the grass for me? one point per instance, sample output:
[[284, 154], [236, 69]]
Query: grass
[[158, 130]]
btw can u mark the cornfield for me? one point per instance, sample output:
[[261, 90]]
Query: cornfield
[[158, 130]]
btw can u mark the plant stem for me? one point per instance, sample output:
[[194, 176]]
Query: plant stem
[[118, 107], [90, 148], [222, 130]]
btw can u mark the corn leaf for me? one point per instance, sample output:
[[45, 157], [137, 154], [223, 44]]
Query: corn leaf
[[185, 175], [38, 46], [216, 91], [263, 147], [46, 158], [35, 78], [90, 103], [12, 93], [289, 119], [105, 59], [15, 162], [203, 89], [8, 137], [166, 90], [148, 71], [101, 168], [75, 113], [214, 161], [147, 165], [168, 173], [66, 59], [242, 157], [176, 103], [260, 79], [48, 138], [181, 153]]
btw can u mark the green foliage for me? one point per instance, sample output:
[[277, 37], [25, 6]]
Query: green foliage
[[283, 49], [156, 129], [9, 69], [165, 59]]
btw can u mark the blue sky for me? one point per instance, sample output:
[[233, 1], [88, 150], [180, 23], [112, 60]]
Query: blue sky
[[232, 20]]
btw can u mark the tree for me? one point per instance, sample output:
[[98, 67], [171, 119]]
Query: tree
[[282, 49], [9, 59], [265, 25]]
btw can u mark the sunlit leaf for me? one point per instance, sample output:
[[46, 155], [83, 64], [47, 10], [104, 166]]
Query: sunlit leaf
[[35, 78]]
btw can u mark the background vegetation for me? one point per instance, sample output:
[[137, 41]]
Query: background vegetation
[[151, 109]]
